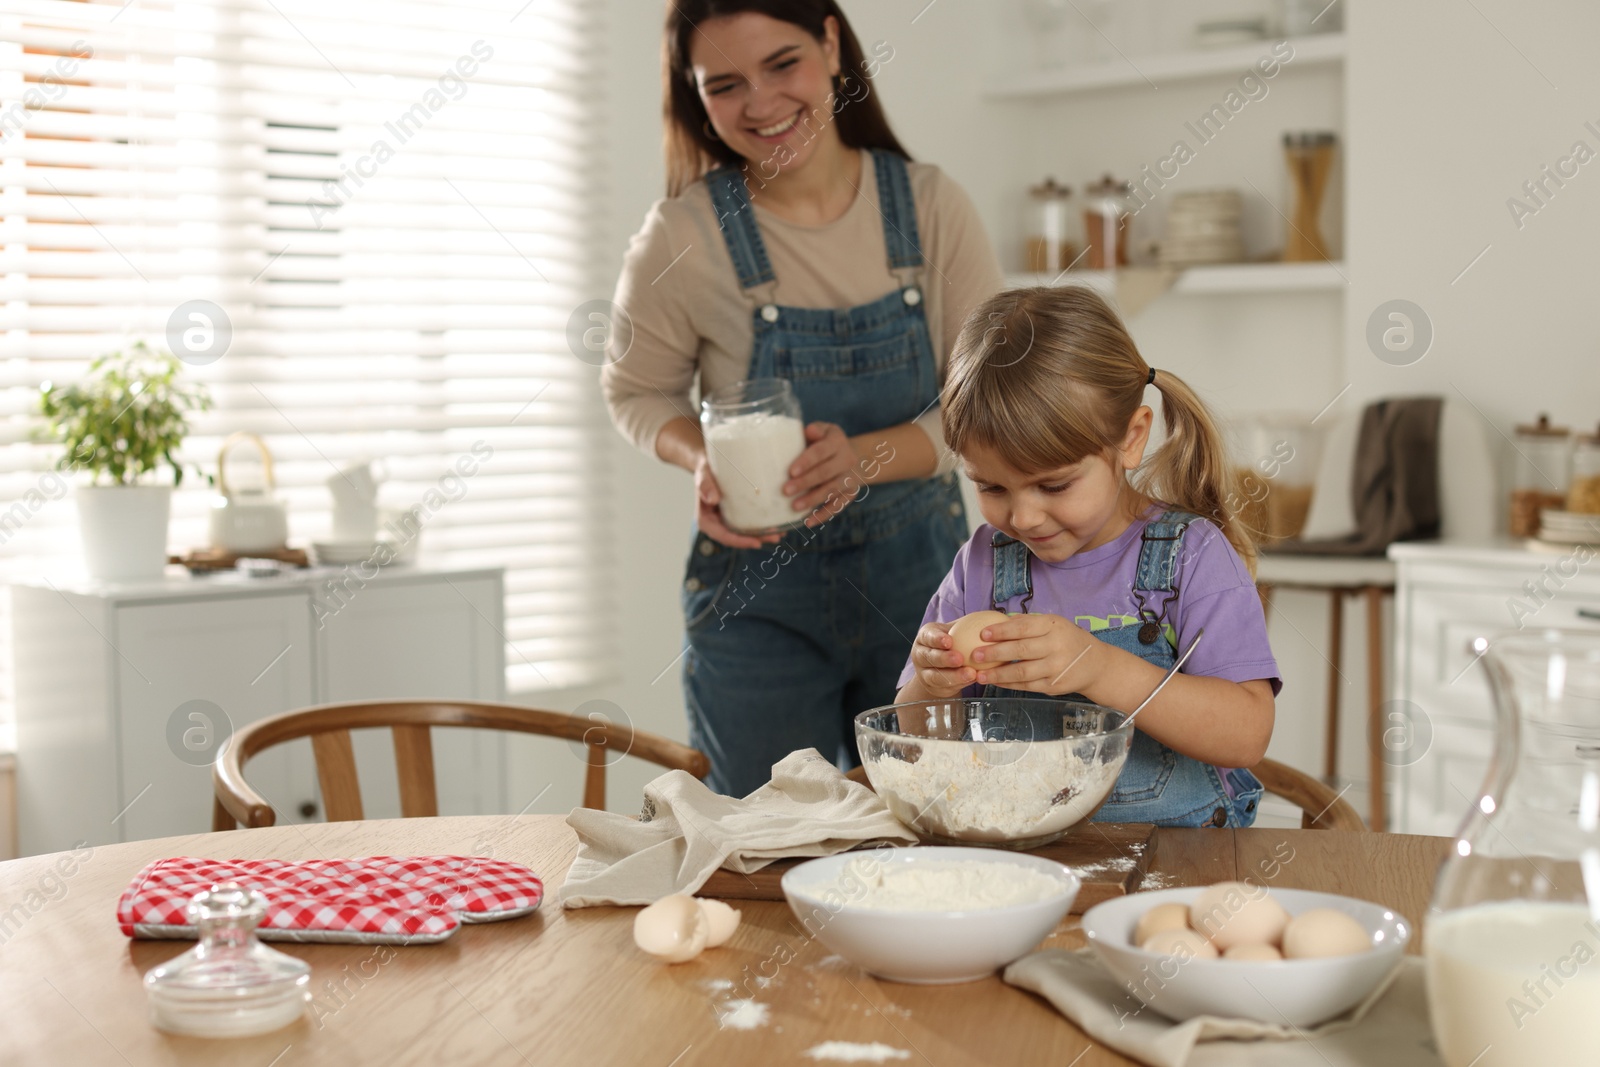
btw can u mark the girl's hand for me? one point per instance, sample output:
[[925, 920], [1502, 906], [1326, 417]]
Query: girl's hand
[[939, 669], [826, 476], [1038, 654], [708, 499]]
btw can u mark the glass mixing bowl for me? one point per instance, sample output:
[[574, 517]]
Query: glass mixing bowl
[[1016, 772]]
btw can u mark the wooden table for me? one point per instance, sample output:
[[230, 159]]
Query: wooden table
[[569, 987], [1341, 576]]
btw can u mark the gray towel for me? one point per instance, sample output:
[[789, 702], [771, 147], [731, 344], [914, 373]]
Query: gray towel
[[1395, 483]]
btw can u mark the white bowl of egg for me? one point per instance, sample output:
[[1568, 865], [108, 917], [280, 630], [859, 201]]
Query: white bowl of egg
[[930, 915], [1232, 950]]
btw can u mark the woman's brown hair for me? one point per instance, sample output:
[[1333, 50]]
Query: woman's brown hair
[[1048, 375], [691, 152]]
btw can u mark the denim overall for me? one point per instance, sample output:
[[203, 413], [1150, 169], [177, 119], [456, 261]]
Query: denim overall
[[787, 643], [1157, 785]]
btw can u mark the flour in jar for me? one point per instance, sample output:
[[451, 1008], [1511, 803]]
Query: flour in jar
[[750, 456], [935, 885], [996, 791]]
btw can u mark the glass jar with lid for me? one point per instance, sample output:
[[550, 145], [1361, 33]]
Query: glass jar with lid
[[1583, 495], [1543, 470], [1049, 250], [1105, 223]]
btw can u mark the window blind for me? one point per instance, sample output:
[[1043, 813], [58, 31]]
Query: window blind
[[394, 207]]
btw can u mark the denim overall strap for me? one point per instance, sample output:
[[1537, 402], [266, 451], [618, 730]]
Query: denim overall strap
[[1157, 572], [899, 211], [730, 199], [1013, 574]]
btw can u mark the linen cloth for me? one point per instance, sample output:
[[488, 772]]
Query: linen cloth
[[685, 832], [1387, 1029]]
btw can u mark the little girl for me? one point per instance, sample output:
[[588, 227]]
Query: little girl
[[1109, 564]]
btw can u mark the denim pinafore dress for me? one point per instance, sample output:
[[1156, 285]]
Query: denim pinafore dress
[[787, 643], [1157, 785]]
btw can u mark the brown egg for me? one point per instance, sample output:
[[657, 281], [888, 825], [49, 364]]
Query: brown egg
[[1159, 918], [1185, 944], [1253, 953], [1234, 913], [965, 632], [1324, 932]]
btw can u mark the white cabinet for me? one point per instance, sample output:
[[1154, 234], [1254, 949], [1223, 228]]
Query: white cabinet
[[1445, 596], [124, 692]]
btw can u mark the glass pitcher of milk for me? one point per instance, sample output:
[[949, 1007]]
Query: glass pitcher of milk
[[753, 431], [1512, 940]]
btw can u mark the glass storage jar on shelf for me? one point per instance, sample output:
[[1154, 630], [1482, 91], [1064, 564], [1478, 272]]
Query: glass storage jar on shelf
[[1583, 495], [1049, 249], [1512, 938], [1106, 223], [1544, 456]]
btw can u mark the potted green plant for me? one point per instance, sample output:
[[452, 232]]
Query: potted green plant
[[120, 425]]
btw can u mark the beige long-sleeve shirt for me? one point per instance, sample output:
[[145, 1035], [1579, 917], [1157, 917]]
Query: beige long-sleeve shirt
[[689, 314]]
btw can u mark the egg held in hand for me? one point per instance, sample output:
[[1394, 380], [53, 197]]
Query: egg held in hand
[[966, 633]]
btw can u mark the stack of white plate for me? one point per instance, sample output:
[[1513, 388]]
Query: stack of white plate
[[1203, 227], [1569, 527]]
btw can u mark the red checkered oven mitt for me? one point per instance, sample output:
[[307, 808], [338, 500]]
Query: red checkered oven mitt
[[396, 900]]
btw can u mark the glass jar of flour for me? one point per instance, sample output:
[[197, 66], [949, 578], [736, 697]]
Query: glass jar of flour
[[753, 431]]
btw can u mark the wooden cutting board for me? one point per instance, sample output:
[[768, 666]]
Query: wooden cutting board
[[1111, 858]]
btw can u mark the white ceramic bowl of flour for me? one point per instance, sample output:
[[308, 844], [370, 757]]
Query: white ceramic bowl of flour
[[930, 915], [1018, 772]]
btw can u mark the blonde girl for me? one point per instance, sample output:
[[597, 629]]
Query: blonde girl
[[1109, 562]]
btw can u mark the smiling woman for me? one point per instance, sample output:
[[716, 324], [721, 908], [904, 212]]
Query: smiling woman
[[797, 242]]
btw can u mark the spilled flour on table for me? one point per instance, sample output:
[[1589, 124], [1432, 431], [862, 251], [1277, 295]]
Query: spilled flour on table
[[718, 985], [741, 1014], [854, 1052]]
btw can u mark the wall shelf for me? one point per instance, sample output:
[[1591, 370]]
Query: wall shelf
[[1224, 278], [1162, 70]]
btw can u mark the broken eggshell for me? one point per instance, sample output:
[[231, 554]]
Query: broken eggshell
[[678, 927]]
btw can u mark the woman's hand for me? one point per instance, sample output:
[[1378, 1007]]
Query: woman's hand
[[1039, 654], [826, 476], [940, 674], [708, 499]]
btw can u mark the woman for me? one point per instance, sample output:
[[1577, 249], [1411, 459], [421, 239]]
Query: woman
[[798, 242]]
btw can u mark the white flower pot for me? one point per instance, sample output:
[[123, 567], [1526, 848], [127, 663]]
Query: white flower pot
[[124, 529]]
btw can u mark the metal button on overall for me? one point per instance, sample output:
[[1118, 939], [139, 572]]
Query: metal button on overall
[[912, 296], [707, 548], [770, 312], [955, 509], [693, 585]]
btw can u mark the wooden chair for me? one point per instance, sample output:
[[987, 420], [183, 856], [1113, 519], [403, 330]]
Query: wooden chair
[[1320, 807], [329, 726]]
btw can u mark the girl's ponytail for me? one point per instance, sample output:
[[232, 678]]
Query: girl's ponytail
[[1190, 470]]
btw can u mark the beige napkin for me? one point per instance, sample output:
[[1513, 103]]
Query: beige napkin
[[1393, 1021], [686, 832]]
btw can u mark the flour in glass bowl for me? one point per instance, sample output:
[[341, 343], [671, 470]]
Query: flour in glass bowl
[[996, 791], [940, 885]]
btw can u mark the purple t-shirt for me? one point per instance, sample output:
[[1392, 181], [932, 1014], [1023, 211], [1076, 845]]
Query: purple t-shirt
[[1095, 590]]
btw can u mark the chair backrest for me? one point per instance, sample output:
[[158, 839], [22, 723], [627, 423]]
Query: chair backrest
[[329, 726], [1321, 808]]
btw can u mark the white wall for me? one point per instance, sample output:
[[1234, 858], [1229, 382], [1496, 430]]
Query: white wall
[[1442, 119]]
